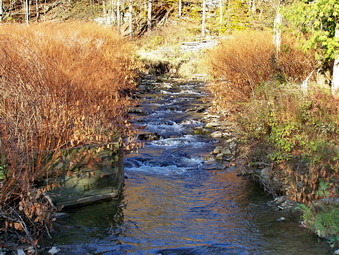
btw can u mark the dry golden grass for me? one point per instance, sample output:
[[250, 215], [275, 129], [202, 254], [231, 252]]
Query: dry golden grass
[[61, 86]]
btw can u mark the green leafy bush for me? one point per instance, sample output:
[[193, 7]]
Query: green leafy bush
[[315, 22], [322, 219]]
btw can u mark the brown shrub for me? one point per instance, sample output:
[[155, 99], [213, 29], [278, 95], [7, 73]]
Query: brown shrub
[[241, 64], [61, 86], [293, 64]]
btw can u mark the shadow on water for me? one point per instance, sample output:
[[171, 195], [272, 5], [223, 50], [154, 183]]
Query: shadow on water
[[178, 200]]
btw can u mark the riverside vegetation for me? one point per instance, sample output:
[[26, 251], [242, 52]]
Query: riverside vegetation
[[67, 85], [61, 86], [294, 133]]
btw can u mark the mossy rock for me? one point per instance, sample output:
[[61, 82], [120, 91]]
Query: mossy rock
[[88, 174]]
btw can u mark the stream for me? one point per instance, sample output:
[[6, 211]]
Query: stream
[[177, 199]]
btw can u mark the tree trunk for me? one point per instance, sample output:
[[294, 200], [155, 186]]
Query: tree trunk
[[26, 5], [1, 11], [335, 79], [149, 15], [37, 10], [130, 20], [203, 25], [113, 17], [180, 8], [277, 31], [104, 16], [118, 13]]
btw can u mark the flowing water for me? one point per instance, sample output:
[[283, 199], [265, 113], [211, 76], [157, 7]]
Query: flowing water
[[177, 199]]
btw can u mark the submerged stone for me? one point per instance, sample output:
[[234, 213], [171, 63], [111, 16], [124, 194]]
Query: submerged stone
[[281, 219], [53, 250], [20, 252]]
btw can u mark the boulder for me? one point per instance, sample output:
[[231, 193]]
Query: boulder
[[219, 156], [227, 151], [266, 173], [213, 124], [216, 134], [137, 111], [148, 136], [288, 204], [280, 200], [217, 150]]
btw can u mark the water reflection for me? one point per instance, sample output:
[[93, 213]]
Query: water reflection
[[214, 213], [178, 201]]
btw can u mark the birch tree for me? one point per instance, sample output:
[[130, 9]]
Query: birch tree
[[277, 31], [37, 10], [1, 10], [118, 13], [26, 7], [180, 8]]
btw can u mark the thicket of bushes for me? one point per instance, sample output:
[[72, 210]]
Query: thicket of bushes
[[294, 132], [61, 86], [241, 64]]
